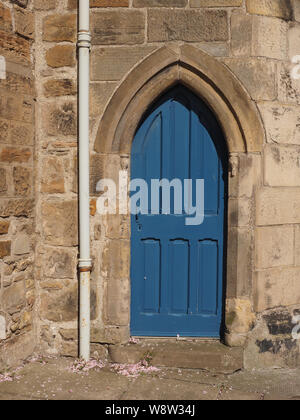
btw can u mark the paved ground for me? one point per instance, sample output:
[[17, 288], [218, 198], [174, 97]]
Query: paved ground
[[52, 379]]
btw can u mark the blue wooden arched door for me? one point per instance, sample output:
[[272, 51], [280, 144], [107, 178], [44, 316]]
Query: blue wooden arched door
[[177, 269]]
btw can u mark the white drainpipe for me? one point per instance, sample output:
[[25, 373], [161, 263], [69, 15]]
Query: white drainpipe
[[85, 262]]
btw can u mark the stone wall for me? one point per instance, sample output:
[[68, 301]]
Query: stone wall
[[257, 41], [17, 191]]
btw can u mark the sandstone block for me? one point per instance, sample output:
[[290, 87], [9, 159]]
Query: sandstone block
[[109, 64], [99, 96], [277, 8], [59, 28], [297, 245], [3, 182], [5, 249], [116, 259], [22, 178], [15, 155], [277, 287], [14, 296], [187, 25], [21, 244], [294, 41], [15, 48], [282, 123], [278, 206], [60, 119], [61, 56], [241, 34], [59, 87], [72, 4], [24, 22], [59, 264], [117, 302], [216, 3], [60, 306], [274, 246], [5, 18], [60, 222], [257, 75], [16, 207], [4, 227], [288, 83], [296, 8], [160, 3], [44, 5], [282, 166], [239, 315], [53, 178], [269, 37], [118, 27]]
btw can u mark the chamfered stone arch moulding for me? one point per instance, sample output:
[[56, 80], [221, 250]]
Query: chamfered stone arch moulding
[[182, 64]]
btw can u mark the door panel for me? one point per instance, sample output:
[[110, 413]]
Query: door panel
[[176, 269]]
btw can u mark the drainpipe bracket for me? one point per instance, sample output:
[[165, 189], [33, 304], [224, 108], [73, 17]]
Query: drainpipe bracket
[[84, 39], [85, 265]]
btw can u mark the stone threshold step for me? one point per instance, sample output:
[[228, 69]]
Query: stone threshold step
[[185, 354]]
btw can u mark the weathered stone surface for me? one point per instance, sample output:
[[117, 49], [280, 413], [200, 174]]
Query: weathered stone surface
[[60, 306], [294, 41], [60, 222], [3, 182], [14, 296], [58, 28], [239, 276], [72, 4], [5, 249], [5, 18], [22, 3], [213, 357], [187, 25], [59, 264], [14, 47], [53, 177], [24, 22], [21, 244], [216, 3], [160, 3], [61, 56], [17, 155], [248, 166], [118, 27], [60, 119], [60, 87], [116, 257], [282, 123], [276, 8], [117, 306], [16, 107], [257, 75], [288, 83], [282, 166], [4, 227], [22, 134], [278, 206], [274, 246], [271, 29], [44, 5], [22, 181], [239, 316], [240, 212], [16, 207], [110, 64], [99, 96], [276, 287], [297, 245], [241, 34], [216, 49], [296, 8]]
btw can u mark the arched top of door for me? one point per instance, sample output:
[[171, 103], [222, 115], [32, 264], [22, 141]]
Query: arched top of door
[[205, 76]]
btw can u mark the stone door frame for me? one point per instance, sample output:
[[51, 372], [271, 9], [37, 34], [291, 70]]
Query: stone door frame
[[243, 131]]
